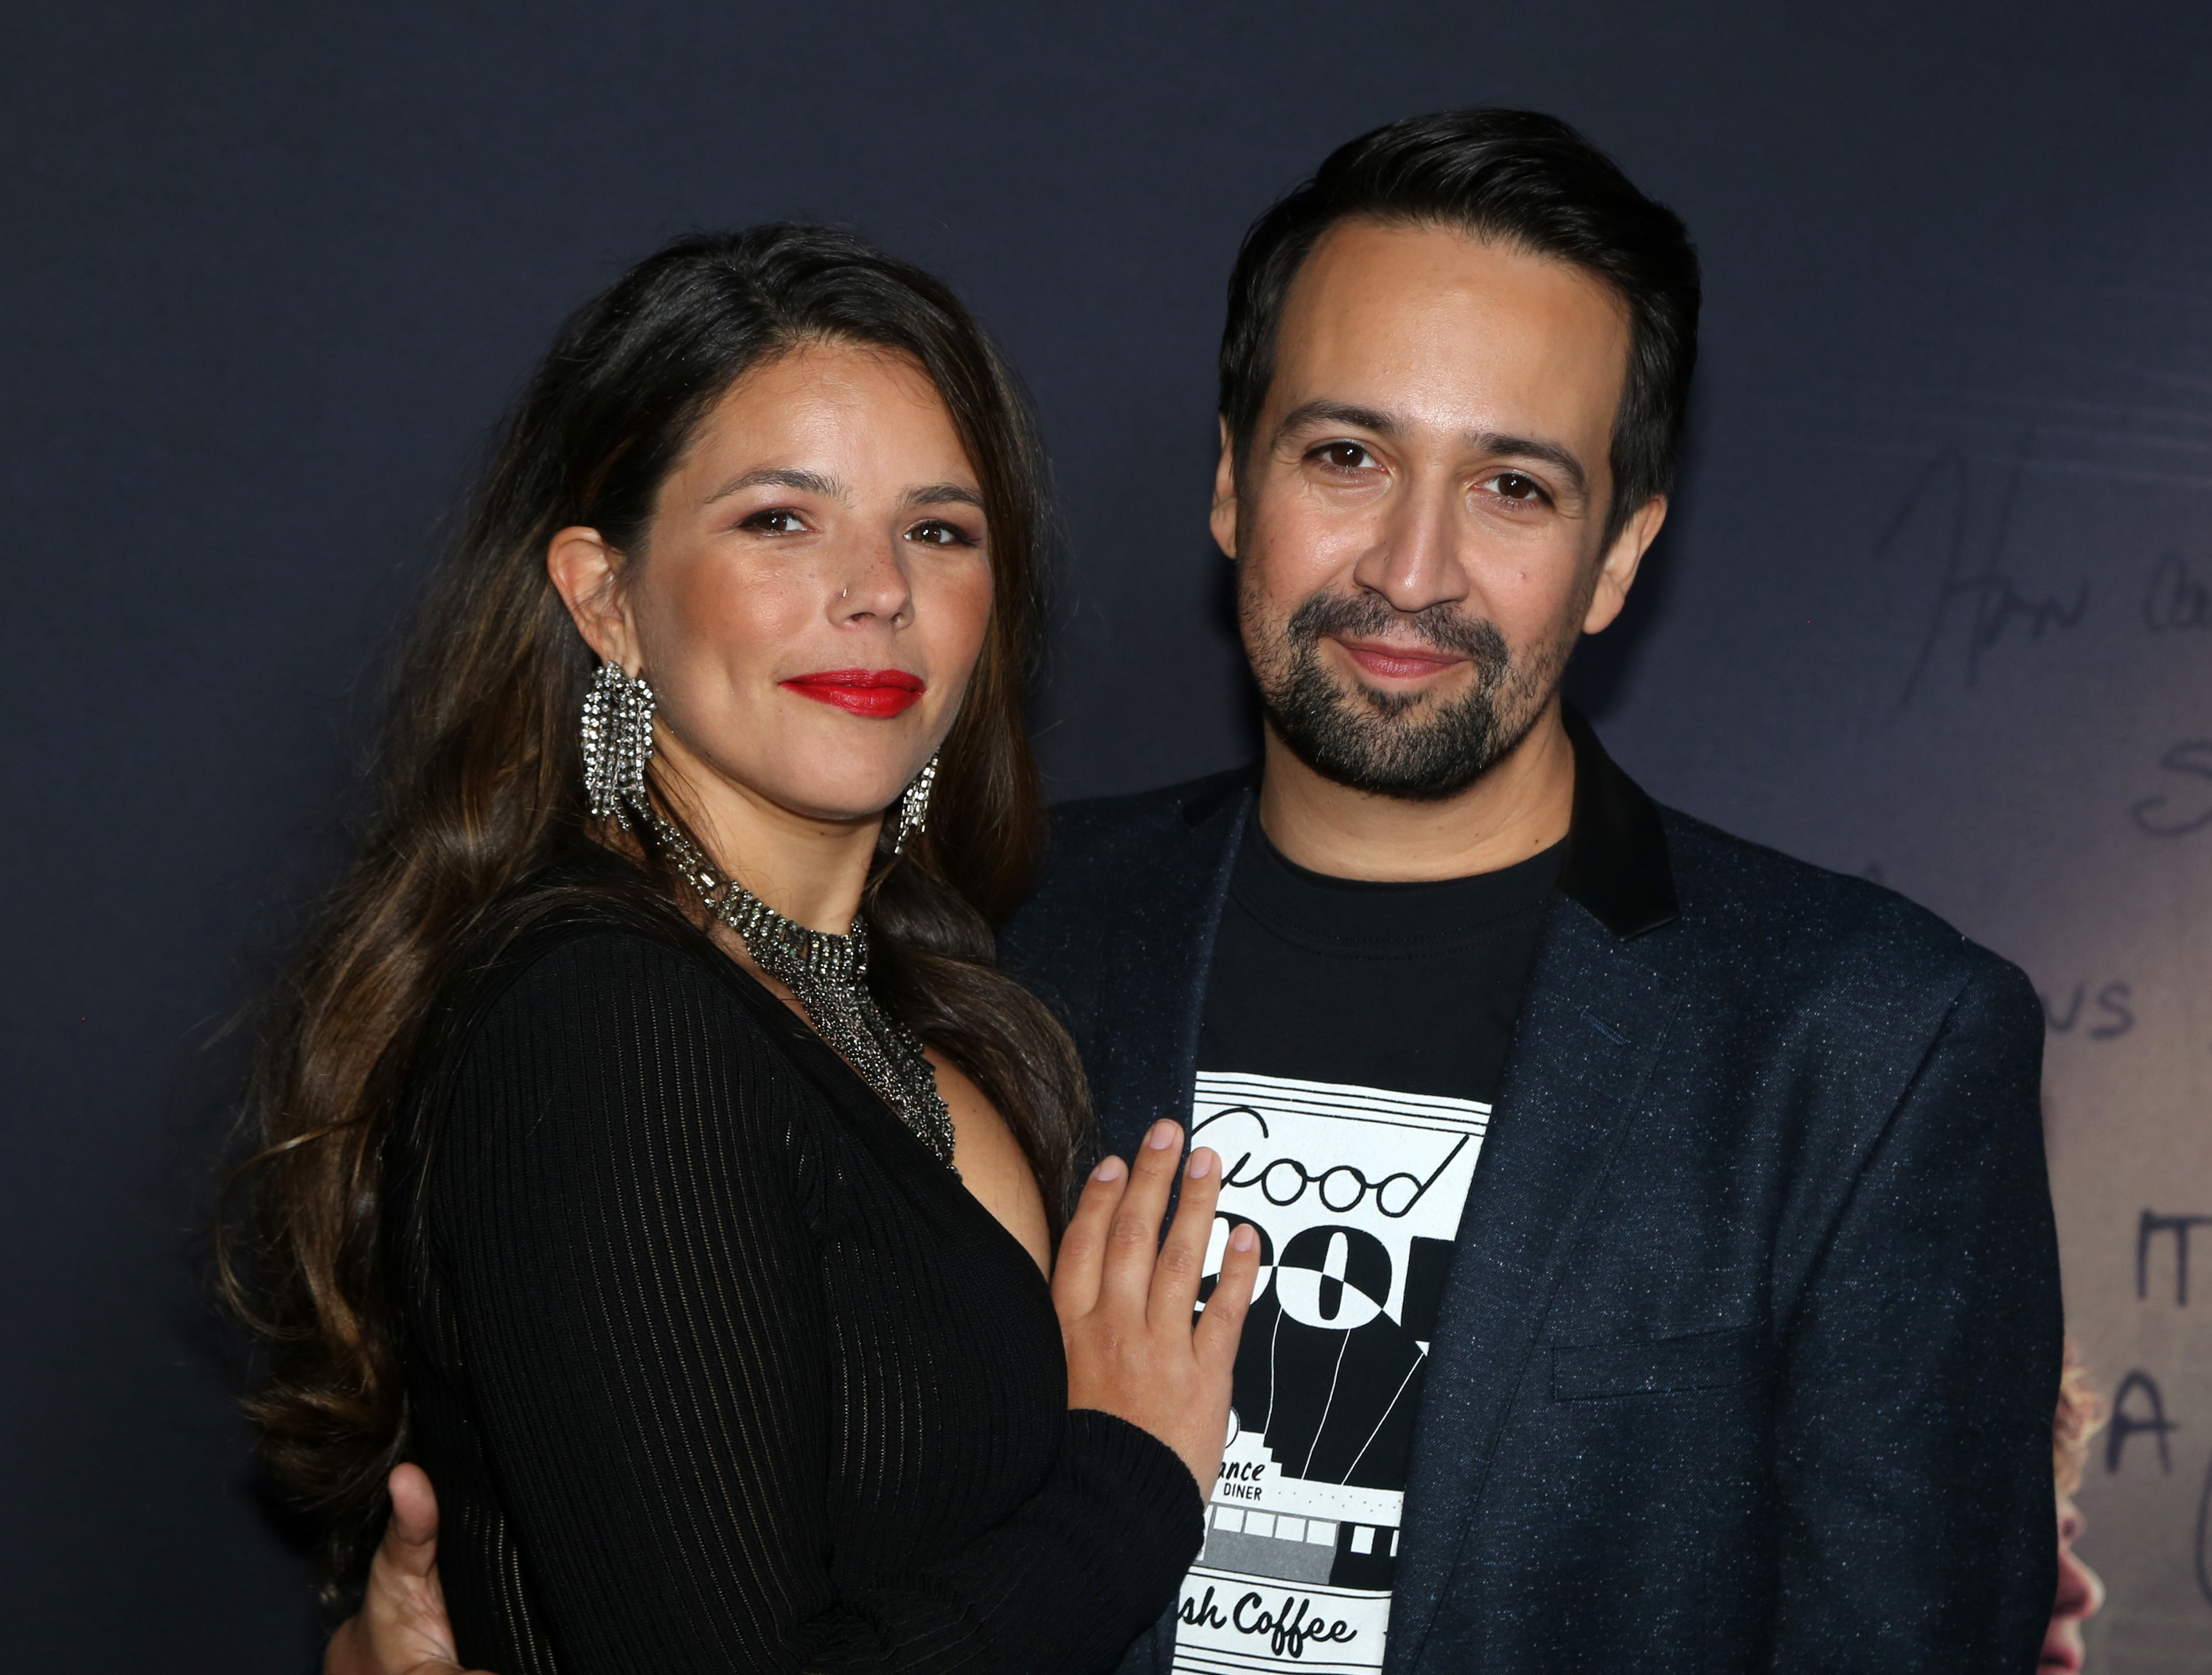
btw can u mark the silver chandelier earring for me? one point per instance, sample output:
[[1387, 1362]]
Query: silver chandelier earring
[[618, 743], [914, 806]]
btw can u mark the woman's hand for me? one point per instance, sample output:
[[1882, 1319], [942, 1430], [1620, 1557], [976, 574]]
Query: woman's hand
[[1124, 1301], [401, 1628]]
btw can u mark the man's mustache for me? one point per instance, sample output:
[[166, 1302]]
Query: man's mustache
[[1443, 627]]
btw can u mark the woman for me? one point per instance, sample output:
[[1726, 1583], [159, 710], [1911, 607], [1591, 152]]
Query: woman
[[2080, 1416], [651, 1149]]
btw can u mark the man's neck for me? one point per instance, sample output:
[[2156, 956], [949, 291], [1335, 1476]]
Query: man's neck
[[1520, 807]]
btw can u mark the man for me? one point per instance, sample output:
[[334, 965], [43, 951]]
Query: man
[[1661, 1272]]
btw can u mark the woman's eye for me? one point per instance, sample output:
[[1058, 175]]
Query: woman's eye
[[938, 533], [1513, 485], [776, 521], [1345, 456]]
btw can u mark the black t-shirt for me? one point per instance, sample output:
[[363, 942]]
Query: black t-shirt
[[1412, 987], [1352, 1041]]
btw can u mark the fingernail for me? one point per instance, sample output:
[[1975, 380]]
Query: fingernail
[[1242, 1238], [1109, 1170], [1163, 1135], [1201, 1164]]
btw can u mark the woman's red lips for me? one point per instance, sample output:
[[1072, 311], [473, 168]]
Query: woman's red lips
[[873, 692]]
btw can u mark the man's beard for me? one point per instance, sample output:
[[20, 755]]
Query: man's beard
[[1407, 745]]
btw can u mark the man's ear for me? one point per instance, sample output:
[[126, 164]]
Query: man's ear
[[1223, 518], [586, 573], [1617, 574]]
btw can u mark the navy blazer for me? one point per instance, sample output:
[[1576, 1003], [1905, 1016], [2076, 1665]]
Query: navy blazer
[[1748, 1352]]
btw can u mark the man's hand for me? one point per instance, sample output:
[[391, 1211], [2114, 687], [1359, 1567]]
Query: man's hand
[[401, 1628]]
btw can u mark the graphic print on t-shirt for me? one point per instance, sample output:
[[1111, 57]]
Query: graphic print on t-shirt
[[1357, 1193]]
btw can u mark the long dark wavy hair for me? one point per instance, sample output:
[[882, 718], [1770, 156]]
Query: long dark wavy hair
[[481, 787]]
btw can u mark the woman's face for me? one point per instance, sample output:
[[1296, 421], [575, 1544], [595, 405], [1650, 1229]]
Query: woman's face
[[814, 592], [2081, 1596]]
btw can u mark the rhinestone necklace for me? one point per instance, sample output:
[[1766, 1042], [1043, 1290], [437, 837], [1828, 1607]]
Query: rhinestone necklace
[[828, 974]]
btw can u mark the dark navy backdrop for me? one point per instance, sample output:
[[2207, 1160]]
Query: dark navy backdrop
[[1934, 603]]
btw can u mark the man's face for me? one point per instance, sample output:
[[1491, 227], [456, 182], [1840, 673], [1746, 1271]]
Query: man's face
[[1417, 525]]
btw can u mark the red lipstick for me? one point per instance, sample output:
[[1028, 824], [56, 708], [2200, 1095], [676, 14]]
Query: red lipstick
[[877, 693]]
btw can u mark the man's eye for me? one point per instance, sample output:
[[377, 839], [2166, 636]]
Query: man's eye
[[1513, 485], [1344, 456], [936, 532], [776, 521]]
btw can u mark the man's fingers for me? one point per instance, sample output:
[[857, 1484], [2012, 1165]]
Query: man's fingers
[[1223, 1322], [1132, 1240], [1182, 1256], [1083, 1246], [414, 1524], [402, 1628]]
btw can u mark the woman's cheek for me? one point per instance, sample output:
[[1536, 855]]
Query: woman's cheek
[[956, 615]]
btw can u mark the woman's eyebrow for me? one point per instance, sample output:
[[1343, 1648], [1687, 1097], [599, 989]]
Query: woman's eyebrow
[[945, 494], [780, 476]]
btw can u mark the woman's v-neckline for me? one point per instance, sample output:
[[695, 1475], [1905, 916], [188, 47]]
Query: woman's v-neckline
[[875, 1124]]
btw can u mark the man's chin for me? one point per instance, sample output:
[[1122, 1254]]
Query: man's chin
[[1410, 769], [1418, 742]]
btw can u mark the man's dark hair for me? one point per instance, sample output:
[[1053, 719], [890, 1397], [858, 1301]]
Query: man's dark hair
[[1525, 179]]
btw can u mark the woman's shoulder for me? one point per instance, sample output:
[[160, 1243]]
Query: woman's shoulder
[[591, 1012], [583, 958], [590, 953], [592, 1054]]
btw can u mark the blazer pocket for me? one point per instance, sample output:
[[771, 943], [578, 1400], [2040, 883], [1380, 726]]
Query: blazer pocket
[[1658, 1366]]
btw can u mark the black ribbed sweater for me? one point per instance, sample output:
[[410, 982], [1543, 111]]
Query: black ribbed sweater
[[716, 1369]]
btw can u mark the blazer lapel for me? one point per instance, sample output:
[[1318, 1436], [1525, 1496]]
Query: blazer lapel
[[1583, 1049], [1153, 970]]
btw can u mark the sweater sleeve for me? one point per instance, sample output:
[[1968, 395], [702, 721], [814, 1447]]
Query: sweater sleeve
[[1915, 1426], [619, 1205]]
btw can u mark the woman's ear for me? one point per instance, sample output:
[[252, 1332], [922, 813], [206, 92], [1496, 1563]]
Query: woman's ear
[[586, 573]]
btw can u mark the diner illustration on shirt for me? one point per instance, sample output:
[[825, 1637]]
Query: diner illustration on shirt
[[1357, 1193]]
